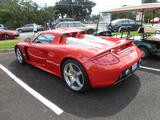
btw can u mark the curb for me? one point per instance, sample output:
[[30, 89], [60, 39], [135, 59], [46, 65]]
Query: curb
[[7, 50]]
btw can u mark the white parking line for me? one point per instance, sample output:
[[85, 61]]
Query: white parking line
[[42, 99], [148, 68]]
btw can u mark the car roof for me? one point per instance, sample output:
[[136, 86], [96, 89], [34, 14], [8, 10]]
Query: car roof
[[65, 19], [62, 31], [71, 22], [117, 20]]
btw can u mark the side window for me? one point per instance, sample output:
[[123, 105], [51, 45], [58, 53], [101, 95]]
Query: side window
[[120, 22], [124, 22], [44, 39], [29, 25], [71, 25], [132, 22], [78, 25], [62, 25]]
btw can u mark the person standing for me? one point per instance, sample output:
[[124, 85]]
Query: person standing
[[35, 30]]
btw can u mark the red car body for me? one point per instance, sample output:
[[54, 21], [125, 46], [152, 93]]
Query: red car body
[[11, 34], [104, 61], [155, 20]]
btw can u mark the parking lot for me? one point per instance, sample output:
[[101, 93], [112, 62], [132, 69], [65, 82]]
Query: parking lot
[[136, 98]]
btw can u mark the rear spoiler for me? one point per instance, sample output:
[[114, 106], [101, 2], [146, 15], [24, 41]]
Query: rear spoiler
[[111, 49]]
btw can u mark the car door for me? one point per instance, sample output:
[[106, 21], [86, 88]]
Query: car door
[[38, 49], [133, 24], [1, 34], [28, 27]]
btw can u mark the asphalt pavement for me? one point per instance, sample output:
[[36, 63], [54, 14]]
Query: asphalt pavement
[[136, 98]]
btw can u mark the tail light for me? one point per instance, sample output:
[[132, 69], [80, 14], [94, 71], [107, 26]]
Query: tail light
[[107, 59]]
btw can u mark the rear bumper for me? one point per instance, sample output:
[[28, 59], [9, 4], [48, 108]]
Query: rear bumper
[[100, 76], [124, 76]]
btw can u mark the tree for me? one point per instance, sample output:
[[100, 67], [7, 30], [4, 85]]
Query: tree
[[149, 14], [77, 9], [16, 13]]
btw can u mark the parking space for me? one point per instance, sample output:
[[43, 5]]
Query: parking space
[[137, 97]]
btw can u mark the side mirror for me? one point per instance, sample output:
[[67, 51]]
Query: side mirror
[[28, 40]]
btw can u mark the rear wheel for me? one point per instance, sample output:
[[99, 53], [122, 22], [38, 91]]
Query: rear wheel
[[20, 31], [145, 52], [19, 56], [75, 76], [90, 31], [5, 37]]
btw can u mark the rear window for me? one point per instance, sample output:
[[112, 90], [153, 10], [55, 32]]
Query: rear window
[[86, 43], [96, 39]]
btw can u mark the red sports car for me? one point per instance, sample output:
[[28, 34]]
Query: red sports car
[[8, 34], [82, 61]]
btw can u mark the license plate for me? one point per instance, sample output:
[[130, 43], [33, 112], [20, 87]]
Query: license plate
[[134, 67]]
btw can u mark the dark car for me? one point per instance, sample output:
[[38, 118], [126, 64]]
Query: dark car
[[116, 24]]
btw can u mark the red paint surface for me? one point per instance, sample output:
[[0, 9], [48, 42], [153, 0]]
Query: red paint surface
[[50, 57]]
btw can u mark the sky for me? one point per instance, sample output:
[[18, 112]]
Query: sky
[[101, 5]]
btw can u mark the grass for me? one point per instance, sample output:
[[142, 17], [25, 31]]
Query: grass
[[132, 33], [8, 44]]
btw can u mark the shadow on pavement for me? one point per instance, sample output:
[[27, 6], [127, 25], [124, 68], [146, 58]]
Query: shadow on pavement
[[99, 102], [153, 62]]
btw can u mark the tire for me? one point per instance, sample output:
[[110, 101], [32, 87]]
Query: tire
[[145, 52], [19, 56], [20, 31], [5, 37], [90, 31], [75, 76]]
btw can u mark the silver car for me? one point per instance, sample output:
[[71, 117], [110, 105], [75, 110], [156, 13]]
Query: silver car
[[28, 27], [78, 25], [2, 26]]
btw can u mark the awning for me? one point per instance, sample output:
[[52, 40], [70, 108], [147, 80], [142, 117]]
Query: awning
[[147, 6]]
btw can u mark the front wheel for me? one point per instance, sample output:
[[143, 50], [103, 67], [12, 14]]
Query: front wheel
[[90, 31], [5, 37], [145, 52], [19, 56], [75, 76]]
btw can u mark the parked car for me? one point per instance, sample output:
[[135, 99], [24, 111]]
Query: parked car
[[76, 24], [28, 27], [116, 24], [155, 20], [62, 20], [82, 62], [2, 26], [8, 34]]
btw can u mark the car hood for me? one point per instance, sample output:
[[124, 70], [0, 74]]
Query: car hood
[[10, 31]]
